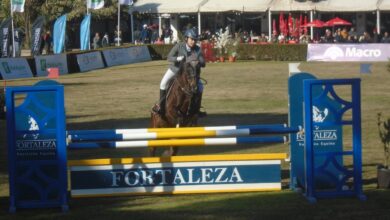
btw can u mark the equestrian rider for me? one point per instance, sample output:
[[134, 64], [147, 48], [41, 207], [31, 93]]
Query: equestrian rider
[[189, 51]]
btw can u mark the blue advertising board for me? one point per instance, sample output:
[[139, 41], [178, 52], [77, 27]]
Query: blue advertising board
[[36, 146], [327, 135]]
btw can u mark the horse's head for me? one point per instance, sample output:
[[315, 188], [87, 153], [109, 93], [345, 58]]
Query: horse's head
[[189, 76]]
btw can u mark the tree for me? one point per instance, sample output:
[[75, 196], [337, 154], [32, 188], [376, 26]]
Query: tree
[[52, 9]]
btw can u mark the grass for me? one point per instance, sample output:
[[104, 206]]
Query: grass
[[239, 93]]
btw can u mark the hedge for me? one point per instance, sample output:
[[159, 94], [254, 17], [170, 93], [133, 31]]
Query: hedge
[[277, 52]]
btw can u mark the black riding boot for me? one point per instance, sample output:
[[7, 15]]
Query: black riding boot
[[196, 105], [161, 103], [199, 105]]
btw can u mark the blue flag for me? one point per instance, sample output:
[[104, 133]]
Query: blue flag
[[85, 32], [59, 34], [365, 68]]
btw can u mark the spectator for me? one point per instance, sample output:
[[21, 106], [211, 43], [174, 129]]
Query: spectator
[[365, 38], [96, 41], [353, 33], [105, 40], [47, 41], [344, 34], [328, 38], [281, 38], [154, 33], [145, 35], [167, 34], [375, 37], [385, 38], [118, 36], [350, 39]]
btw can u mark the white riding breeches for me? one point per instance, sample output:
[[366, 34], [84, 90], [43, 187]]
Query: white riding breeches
[[166, 78], [169, 75]]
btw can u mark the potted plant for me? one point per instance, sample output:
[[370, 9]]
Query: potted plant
[[222, 42], [383, 171]]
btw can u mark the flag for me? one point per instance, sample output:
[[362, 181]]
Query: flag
[[95, 4], [5, 37], [17, 5], [36, 33], [59, 34], [274, 31], [290, 24], [281, 22], [126, 2], [85, 32], [305, 30]]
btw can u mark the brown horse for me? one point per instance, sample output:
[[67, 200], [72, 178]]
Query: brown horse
[[181, 92]]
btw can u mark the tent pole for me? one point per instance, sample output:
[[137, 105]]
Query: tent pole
[[269, 25], [199, 23], [311, 28], [378, 21]]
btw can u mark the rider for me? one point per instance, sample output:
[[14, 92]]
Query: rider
[[189, 51]]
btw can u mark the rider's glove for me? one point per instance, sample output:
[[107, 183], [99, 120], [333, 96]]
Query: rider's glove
[[180, 58]]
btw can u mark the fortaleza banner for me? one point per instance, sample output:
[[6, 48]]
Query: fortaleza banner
[[181, 177], [15, 68], [348, 52], [42, 63]]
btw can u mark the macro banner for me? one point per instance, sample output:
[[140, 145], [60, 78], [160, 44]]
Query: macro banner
[[36, 33], [42, 63], [121, 56], [5, 36], [90, 61], [348, 52], [59, 34], [85, 32], [14, 68]]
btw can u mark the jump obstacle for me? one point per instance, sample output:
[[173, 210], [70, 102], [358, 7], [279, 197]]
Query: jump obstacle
[[38, 141]]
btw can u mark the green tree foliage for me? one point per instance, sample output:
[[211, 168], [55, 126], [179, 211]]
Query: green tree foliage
[[52, 9]]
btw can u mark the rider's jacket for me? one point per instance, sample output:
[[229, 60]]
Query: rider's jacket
[[190, 54]]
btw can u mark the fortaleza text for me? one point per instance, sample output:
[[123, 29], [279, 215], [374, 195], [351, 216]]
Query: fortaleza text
[[175, 176]]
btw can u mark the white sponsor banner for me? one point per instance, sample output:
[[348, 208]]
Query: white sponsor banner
[[128, 55], [348, 52], [15, 68], [90, 61], [42, 63], [17, 5]]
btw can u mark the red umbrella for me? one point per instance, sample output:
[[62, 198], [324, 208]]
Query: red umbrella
[[336, 22], [314, 23]]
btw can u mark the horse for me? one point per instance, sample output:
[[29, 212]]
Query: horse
[[180, 96]]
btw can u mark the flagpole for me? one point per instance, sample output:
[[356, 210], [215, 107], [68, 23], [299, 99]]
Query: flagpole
[[12, 29], [89, 44], [119, 21]]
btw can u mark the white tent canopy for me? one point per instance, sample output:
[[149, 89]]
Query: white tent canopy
[[346, 5], [384, 5], [291, 5], [167, 6], [236, 5]]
